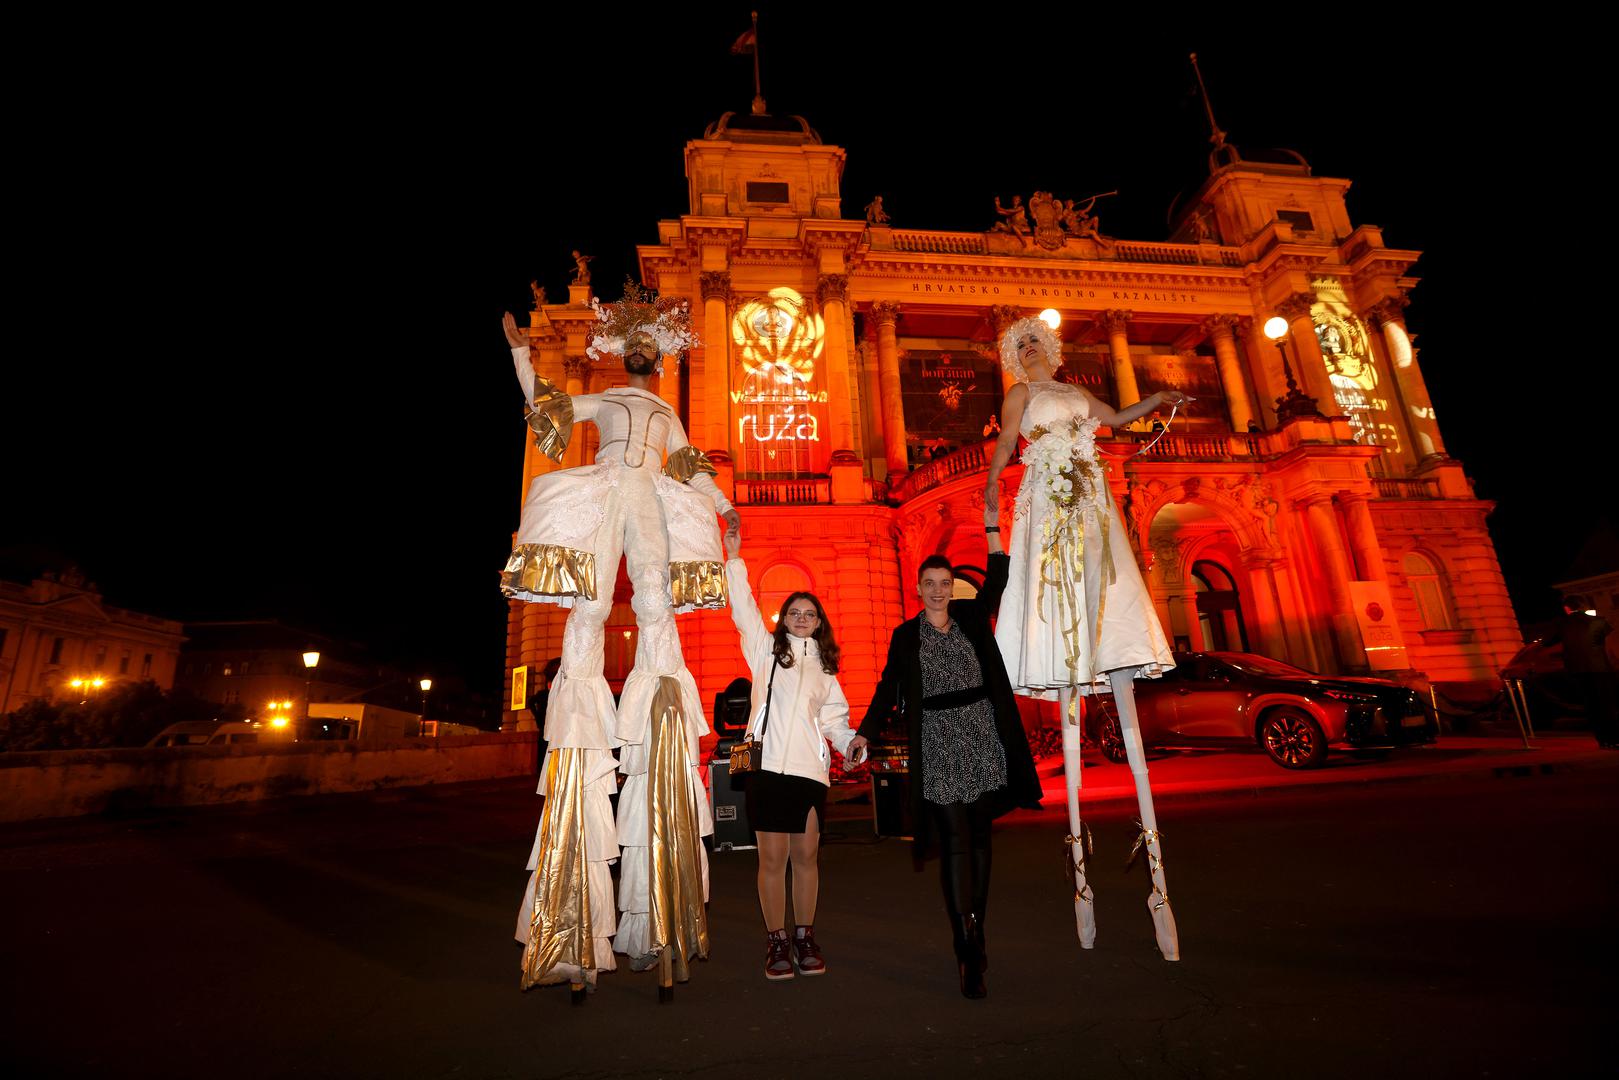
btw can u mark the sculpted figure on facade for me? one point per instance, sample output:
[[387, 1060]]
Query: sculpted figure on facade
[[581, 271], [1014, 218], [875, 215]]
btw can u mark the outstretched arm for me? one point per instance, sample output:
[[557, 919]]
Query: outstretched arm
[[703, 482], [1114, 418]]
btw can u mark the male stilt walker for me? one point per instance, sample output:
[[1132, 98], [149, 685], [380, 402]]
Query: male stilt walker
[[650, 498]]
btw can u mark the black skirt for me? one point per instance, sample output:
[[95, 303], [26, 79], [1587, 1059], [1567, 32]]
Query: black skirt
[[780, 803]]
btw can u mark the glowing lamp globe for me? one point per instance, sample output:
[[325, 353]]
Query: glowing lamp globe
[[1276, 328], [1051, 318]]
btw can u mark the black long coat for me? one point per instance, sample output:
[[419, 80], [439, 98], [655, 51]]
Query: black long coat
[[901, 687]]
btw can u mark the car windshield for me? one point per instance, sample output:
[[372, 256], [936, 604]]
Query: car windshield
[[1250, 664]]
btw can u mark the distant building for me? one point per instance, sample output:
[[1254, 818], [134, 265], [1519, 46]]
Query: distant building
[[57, 629]]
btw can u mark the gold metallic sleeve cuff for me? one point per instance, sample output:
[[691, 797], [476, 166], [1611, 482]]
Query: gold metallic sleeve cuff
[[551, 418], [686, 463]]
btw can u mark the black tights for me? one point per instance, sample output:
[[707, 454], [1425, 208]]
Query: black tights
[[964, 852]]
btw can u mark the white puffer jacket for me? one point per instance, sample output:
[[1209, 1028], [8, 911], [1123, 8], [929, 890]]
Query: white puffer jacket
[[807, 707]]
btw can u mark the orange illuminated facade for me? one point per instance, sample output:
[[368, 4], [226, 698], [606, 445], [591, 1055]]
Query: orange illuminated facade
[[848, 386]]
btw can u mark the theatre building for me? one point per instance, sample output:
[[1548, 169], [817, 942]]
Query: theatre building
[[848, 389]]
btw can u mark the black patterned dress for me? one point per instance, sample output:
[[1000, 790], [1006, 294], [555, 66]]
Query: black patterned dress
[[962, 756]]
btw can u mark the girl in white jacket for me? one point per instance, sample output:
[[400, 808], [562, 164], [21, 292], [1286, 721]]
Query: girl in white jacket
[[798, 707]]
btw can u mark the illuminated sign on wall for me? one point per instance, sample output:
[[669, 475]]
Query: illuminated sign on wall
[[1355, 381], [778, 343]]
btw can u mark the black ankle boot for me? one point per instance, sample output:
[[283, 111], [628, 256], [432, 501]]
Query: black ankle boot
[[969, 959]]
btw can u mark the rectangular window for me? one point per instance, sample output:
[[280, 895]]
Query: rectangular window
[[101, 659], [1430, 603], [3, 634], [56, 650], [760, 192], [146, 667], [1299, 219], [123, 664]]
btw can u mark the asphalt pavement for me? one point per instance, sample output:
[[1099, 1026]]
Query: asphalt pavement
[[1446, 912]]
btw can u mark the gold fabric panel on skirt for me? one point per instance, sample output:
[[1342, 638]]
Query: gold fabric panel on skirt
[[678, 919], [697, 585], [559, 929], [548, 570]]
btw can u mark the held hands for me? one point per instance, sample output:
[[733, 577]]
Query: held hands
[[1175, 398], [733, 533], [992, 504], [516, 338], [856, 752]]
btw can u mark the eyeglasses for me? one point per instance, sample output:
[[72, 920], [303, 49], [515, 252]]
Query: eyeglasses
[[802, 613]]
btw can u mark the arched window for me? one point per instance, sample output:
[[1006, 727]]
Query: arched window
[[1427, 583], [778, 583]]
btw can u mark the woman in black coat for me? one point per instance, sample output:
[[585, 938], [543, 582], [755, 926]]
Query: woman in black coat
[[969, 758]]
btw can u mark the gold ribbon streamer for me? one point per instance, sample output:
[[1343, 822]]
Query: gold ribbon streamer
[[1062, 566], [675, 877], [550, 418], [549, 570], [1076, 866], [698, 585], [559, 930], [686, 463], [1146, 840]]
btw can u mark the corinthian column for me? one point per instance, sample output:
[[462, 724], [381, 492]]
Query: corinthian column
[[833, 293], [1222, 331], [1419, 415], [1001, 318], [884, 313], [715, 287], [1312, 365], [1124, 373], [1329, 544]]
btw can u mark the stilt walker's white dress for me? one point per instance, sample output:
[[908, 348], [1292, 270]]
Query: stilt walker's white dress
[[576, 524], [1075, 605], [1077, 618]]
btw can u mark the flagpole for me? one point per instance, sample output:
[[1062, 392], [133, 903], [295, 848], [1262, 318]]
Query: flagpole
[[758, 92]]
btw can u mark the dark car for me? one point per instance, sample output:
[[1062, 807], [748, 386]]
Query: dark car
[[1230, 698]]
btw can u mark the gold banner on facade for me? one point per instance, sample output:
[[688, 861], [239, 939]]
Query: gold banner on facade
[[686, 463], [559, 930], [697, 585], [551, 418], [678, 920], [548, 570]]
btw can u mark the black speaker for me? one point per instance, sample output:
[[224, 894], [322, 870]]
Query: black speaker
[[732, 831], [891, 804]]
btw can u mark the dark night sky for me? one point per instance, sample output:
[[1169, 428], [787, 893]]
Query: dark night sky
[[262, 373]]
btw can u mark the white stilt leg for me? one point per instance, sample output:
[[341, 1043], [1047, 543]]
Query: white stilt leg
[[1163, 919], [1073, 766]]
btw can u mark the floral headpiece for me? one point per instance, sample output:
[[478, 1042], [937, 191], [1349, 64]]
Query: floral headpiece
[[666, 319], [1049, 344]]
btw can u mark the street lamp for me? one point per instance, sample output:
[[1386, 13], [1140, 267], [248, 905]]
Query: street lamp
[[87, 686], [311, 658], [1052, 318], [427, 684], [1295, 403]]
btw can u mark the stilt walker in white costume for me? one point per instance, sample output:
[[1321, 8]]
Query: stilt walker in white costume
[[1076, 617], [658, 514]]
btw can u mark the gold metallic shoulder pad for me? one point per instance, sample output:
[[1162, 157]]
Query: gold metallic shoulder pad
[[686, 463], [551, 418]]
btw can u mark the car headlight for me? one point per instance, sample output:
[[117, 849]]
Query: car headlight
[[1345, 695]]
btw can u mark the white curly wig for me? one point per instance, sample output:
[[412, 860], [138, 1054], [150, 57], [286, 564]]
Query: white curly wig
[[1049, 344]]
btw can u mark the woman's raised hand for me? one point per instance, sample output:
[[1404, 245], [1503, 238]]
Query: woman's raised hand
[[514, 337]]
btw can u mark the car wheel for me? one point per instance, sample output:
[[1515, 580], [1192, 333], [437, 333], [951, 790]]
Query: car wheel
[[1292, 739], [1111, 739]]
